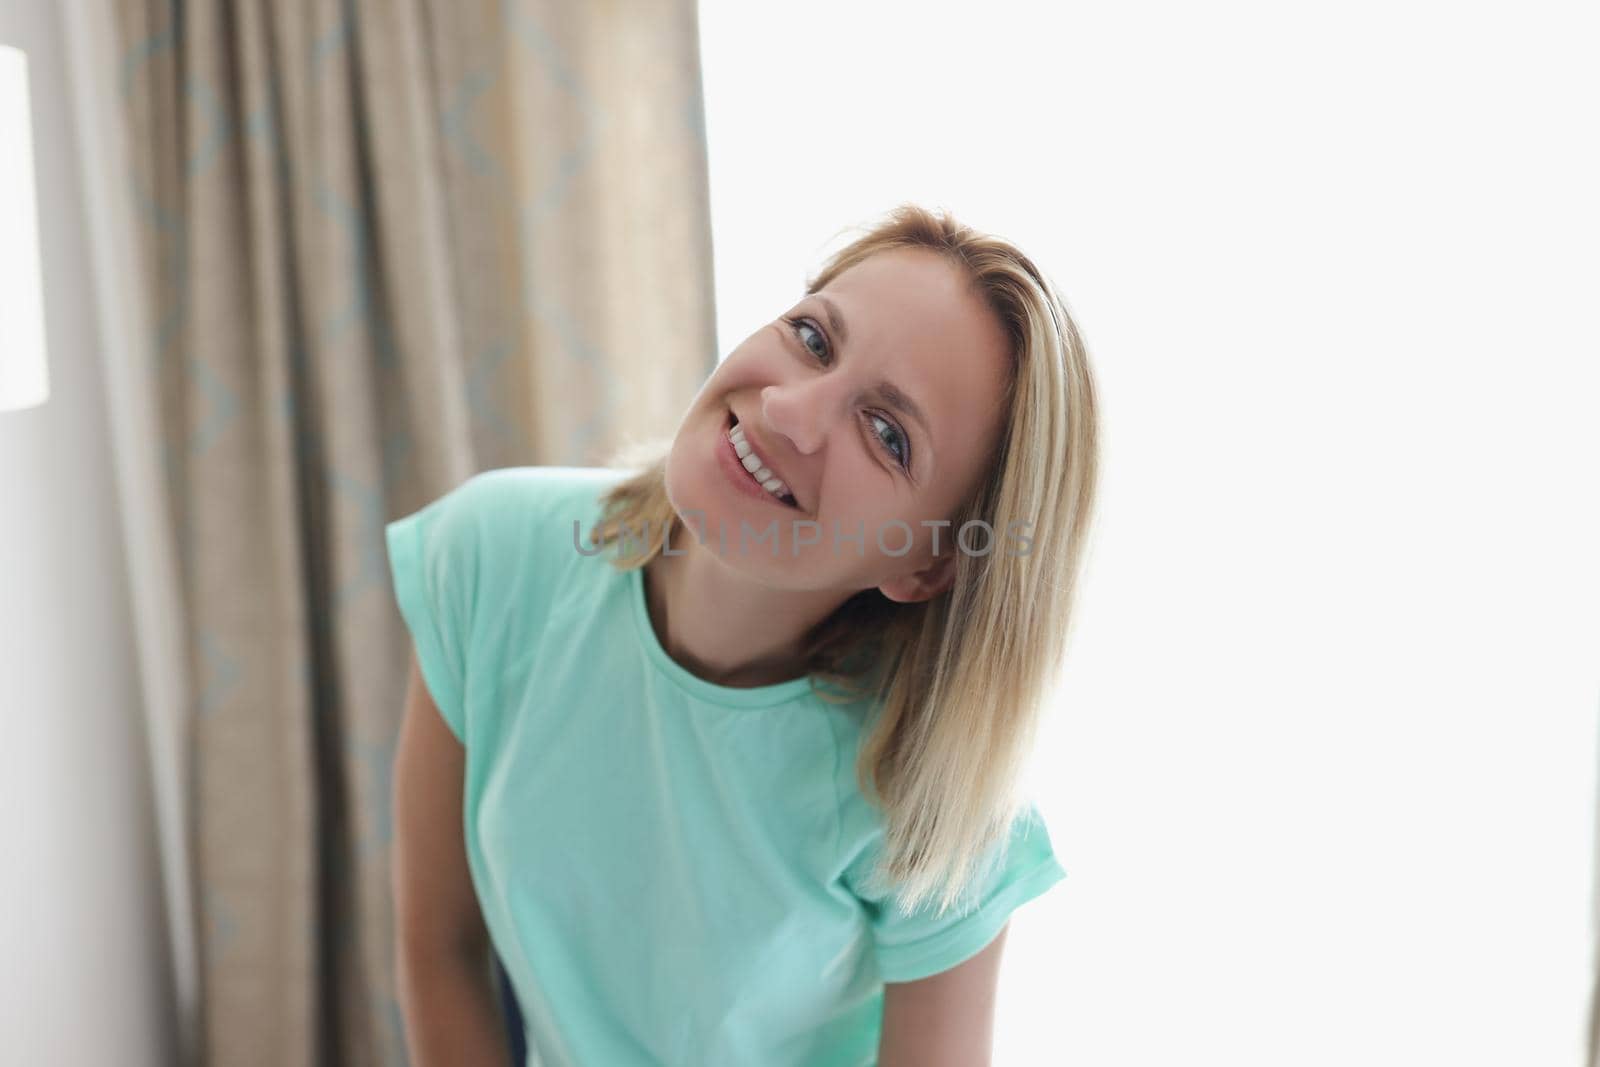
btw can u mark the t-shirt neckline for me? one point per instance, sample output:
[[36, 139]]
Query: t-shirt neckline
[[694, 685]]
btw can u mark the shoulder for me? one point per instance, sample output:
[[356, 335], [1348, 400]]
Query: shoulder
[[523, 502], [505, 527], [536, 489], [860, 823]]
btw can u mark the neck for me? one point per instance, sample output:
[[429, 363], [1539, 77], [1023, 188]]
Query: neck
[[723, 627]]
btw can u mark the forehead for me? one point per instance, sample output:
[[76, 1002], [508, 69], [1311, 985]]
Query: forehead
[[912, 298], [913, 320]]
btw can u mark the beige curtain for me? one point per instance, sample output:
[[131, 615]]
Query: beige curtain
[[385, 244]]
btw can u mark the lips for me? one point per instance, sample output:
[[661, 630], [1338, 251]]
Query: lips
[[762, 453]]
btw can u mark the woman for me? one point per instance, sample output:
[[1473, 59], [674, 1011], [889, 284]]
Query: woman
[[735, 734]]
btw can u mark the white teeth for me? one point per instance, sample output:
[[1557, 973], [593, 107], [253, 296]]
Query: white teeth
[[752, 463]]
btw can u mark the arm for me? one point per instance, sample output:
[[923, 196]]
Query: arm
[[946, 1019], [444, 968]]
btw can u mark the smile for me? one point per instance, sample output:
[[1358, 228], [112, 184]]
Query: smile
[[749, 471]]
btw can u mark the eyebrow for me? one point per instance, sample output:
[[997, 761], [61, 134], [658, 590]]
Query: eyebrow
[[885, 390]]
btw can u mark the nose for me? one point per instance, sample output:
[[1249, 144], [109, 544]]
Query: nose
[[800, 411]]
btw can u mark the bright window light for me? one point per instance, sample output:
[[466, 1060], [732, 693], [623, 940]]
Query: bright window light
[[23, 379], [1322, 773]]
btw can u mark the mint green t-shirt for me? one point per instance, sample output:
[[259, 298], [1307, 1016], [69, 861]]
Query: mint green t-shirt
[[671, 870]]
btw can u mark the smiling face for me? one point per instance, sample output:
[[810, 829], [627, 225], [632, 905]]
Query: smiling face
[[876, 399]]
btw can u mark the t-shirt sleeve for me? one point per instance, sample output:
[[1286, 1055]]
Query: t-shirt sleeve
[[436, 556], [925, 943]]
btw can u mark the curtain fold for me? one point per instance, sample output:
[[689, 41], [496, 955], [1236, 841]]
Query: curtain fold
[[383, 245]]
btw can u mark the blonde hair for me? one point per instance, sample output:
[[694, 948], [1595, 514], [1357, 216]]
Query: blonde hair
[[958, 682]]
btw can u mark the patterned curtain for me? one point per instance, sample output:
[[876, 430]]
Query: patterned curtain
[[385, 244]]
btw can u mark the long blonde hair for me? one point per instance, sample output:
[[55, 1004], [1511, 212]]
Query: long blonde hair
[[958, 682]]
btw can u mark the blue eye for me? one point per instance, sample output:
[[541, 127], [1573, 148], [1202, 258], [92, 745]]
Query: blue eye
[[806, 324], [902, 454], [896, 444]]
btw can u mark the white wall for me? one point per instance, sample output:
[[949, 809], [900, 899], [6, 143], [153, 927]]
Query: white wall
[[1322, 775], [85, 971]]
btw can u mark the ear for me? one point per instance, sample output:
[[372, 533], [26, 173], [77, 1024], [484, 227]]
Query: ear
[[929, 582]]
